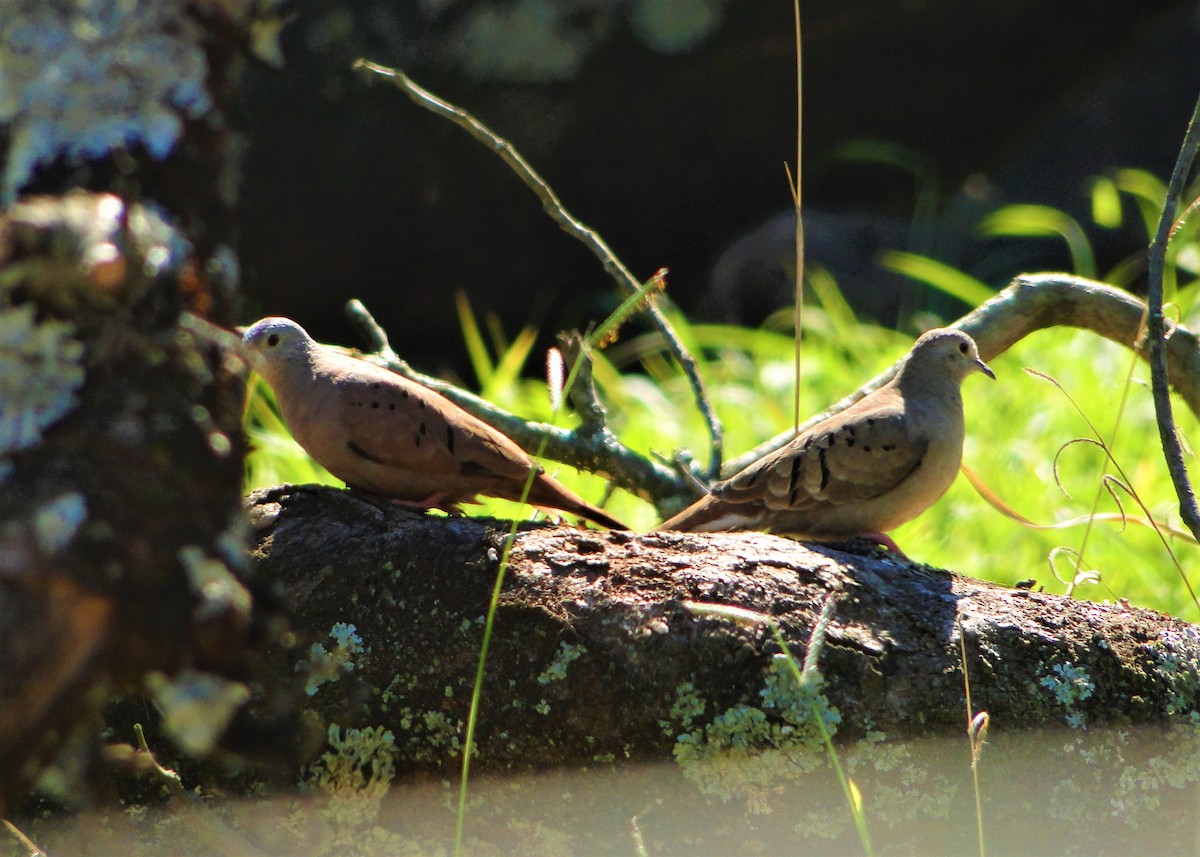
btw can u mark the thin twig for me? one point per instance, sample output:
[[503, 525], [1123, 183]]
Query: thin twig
[[572, 226], [1189, 512], [583, 396], [196, 815], [794, 182], [976, 733], [31, 848]]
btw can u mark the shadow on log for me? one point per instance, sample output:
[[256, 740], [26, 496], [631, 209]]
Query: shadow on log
[[597, 655]]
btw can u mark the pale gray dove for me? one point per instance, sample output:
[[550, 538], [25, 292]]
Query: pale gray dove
[[866, 470], [384, 434]]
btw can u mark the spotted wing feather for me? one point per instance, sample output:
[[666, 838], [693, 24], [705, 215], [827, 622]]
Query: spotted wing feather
[[848, 460], [392, 421]]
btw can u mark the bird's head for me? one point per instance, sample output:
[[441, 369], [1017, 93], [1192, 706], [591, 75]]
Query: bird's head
[[945, 353], [274, 342]]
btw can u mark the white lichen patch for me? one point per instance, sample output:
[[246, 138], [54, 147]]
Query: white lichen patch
[[325, 665], [41, 372], [80, 79], [688, 707], [1144, 786], [196, 706], [905, 785], [1126, 775], [354, 773], [431, 736], [747, 750], [56, 523], [1177, 654], [1069, 685], [556, 670]]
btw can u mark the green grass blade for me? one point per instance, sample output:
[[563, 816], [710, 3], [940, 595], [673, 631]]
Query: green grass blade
[[506, 372], [477, 350], [840, 313], [1042, 221], [635, 303], [1147, 191], [940, 276], [1106, 202]]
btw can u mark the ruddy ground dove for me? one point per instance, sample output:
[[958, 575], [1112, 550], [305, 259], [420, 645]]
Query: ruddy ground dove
[[384, 434], [866, 470]]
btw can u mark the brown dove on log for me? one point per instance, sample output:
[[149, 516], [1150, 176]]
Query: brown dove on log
[[384, 434], [866, 470]]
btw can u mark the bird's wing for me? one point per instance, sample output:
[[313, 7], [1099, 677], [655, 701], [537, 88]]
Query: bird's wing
[[855, 456], [391, 420]]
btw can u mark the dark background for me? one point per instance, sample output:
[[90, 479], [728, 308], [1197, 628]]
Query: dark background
[[670, 138]]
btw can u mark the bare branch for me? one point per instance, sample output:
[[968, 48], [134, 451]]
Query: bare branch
[[569, 223], [1189, 512]]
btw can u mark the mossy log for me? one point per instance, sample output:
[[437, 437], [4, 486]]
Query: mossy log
[[599, 651]]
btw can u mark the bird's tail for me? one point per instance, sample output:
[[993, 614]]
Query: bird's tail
[[546, 492], [699, 517]]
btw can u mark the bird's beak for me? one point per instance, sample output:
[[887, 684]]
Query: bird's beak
[[985, 369]]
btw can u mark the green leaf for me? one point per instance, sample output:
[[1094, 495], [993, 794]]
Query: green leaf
[[508, 368], [1147, 191], [477, 351], [1042, 221], [940, 276], [1106, 203], [825, 287]]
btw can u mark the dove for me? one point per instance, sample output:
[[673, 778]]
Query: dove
[[384, 434], [870, 468]]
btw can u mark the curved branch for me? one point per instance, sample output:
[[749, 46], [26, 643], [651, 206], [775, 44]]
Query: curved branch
[[1033, 302]]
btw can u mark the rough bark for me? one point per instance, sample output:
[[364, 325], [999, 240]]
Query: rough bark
[[597, 654], [121, 444]]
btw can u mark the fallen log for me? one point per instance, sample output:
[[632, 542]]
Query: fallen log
[[600, 651]]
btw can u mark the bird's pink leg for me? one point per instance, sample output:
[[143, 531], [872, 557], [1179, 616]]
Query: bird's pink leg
[[437, 500], [887, 542]]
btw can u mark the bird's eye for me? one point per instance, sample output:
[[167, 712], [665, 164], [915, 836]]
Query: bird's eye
[[962, 348], [272, 340]]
